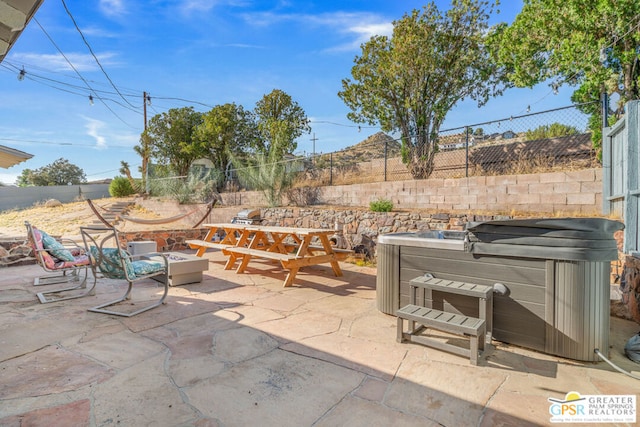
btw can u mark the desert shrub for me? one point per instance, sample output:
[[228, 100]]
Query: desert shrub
[[381, 205], [120, 187], [194, 188], [265, 173]]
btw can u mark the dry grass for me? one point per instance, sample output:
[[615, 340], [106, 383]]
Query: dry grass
[[59, 220]]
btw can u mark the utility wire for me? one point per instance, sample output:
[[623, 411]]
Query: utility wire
[[45, 81], [74, 144], [80, 75], [183, 100], [633, 26], [6, 63], [93, 54], [111, 170]]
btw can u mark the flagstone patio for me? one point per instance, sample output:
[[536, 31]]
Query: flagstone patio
[[241, 350]]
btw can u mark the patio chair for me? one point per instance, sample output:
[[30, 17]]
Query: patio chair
[[113, 262], [65, 262]]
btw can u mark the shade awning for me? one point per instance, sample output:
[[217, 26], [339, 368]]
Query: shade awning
[[10, 156]]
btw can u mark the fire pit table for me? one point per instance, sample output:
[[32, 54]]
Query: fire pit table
[[183, 268]]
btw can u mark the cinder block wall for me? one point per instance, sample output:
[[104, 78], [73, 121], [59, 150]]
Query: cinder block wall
[[557, 193]]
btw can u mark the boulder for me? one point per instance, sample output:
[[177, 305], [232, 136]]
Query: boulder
[[52, 203]]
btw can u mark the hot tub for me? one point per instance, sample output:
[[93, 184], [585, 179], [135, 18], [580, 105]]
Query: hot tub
[[556, 273]]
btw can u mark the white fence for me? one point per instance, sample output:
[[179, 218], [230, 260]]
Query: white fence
[[621, 174], [23, 197]]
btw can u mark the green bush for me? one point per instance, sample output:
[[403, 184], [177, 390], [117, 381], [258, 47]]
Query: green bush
[[381, 205], [120, 187]]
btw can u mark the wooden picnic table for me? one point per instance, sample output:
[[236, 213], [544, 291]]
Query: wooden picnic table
[[228, 237], [293, 247]]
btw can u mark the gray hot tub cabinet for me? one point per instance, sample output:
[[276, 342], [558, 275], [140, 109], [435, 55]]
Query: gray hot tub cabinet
[[556, 272]]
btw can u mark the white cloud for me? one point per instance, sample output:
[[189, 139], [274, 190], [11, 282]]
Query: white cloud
[[96, 32], [112, 7], [93, 127], [243, 46], [55, 62], [189, 6], [197, 6], [8, 178], [362, 33], [357, 27]]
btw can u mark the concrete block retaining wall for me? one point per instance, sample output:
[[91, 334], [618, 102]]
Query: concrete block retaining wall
[[570, 193], [431, 203], [555, 193]]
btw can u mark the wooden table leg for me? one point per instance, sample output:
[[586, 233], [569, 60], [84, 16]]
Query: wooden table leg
[[326, 244], [243, 264], [288, 281], [231, 261], [254, 243], [207, 238]]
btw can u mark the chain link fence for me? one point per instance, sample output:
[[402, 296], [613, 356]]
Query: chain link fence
[[551, 140], [532, 143]]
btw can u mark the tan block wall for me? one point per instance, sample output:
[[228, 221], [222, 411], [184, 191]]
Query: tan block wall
[[571, 193]]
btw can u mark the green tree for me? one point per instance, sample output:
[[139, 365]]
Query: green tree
[[591, 44], [171, 139], [60, 172], [120, 187], [227, 128], [550, 131], [126, 171], [24, 179], [409, 82], [280, 121]]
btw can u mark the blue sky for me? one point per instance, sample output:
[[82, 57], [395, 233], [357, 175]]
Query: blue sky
[[198, 53]]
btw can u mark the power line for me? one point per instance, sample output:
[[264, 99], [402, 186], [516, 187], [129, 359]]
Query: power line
[[78, 73], [633, 26], [93, 54], [45, 81], [183, 100], [109, 171], [6, 64], [73, 144]]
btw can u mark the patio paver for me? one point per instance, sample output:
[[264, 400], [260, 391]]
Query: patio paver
[[236, 350]]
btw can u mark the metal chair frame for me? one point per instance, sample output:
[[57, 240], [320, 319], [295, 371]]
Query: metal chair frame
[[107, 237], [67, 274]]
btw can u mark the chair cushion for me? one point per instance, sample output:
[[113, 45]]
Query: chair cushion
[[110, 264], [48, 260], [56, 248], [51, 263], [144, 267]]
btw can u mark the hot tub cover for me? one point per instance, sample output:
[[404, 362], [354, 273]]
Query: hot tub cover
[[578, 239]]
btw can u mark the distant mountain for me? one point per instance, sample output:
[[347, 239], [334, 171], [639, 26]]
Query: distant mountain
[[371, 148]]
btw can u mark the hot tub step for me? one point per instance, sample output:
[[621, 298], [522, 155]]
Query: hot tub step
[[453, 323]]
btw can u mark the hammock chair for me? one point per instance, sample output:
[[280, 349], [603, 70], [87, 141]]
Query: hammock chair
[[174, 218]]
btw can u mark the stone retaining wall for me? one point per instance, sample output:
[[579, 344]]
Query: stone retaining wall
[[15, 251]]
